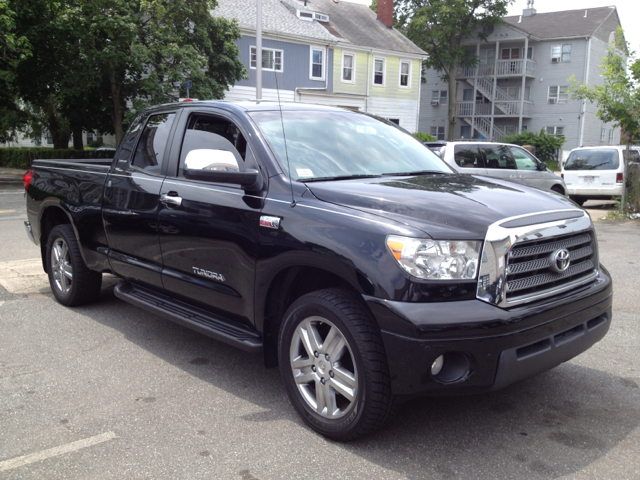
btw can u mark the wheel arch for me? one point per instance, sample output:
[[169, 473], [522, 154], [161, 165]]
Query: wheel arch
[[290, 283], [50, 217]]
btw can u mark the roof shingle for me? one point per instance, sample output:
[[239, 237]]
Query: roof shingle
[[570, 23]]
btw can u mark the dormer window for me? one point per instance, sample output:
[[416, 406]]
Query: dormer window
[[311, 16]]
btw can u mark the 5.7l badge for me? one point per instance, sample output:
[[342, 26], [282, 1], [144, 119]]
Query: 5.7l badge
[[270, 222]]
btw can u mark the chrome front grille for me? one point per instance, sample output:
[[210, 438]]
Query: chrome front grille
[[531, 257], [530, 272]]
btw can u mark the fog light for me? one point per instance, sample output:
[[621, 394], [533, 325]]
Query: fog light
[[436, 366]]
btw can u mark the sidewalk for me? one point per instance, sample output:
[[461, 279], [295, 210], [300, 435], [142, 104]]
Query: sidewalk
[[11, 176]]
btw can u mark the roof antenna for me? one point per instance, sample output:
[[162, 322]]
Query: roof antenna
[[286, 151]]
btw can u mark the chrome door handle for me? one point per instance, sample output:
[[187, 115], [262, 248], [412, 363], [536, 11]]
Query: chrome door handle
[[171, 199]]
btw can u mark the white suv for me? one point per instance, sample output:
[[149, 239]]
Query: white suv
[[595, 172]]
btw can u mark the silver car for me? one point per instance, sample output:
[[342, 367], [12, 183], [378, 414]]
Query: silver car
[[499, 160]]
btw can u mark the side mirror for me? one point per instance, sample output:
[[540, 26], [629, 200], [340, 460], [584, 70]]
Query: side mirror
[[542, 166], [220, 166]]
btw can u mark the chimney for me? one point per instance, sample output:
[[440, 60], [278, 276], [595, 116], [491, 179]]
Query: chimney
[[385, 12], [529, 11]]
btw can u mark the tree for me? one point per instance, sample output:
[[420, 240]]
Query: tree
[[144, 51], [618, 97], [440, 26], [96, 63], [547, 146]]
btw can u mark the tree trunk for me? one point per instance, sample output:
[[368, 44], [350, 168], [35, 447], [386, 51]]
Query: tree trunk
[[452, 104], [77, 139], [60, 135], [118, 111]]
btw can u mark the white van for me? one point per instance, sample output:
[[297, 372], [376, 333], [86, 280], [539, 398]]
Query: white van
[[595, 172]]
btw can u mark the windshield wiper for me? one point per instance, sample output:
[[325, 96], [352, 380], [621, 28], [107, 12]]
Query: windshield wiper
[[417, 172], [339, 177]]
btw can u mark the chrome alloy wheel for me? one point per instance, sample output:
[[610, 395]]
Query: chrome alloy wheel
[[61, 265], [324, 368]]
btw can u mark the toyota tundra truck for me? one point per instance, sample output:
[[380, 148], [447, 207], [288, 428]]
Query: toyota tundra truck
[[337, 246]]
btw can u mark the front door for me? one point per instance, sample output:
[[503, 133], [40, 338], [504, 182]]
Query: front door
[[130, 208], [209, 236]]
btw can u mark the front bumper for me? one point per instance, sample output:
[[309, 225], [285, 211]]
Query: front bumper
[[501, 346]]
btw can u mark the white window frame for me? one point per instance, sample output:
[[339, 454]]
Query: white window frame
[[558, 131], [384, 72], [560, 96], [353, 67], [603, 135], [560, 57], [254, 51], [434, 134], [408, 85], [611, 135], [312, 49]]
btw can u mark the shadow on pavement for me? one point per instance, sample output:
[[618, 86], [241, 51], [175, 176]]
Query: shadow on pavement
[[552, 425]]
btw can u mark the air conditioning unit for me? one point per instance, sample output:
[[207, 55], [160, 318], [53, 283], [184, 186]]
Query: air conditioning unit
[[435, 103], [321, 17], [552, 100], [555, 60]]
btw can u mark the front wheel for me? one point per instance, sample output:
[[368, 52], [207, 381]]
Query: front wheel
[[333, 365], [71, 281]]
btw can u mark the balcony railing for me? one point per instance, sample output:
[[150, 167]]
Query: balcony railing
[[501, 68], [503, 109]]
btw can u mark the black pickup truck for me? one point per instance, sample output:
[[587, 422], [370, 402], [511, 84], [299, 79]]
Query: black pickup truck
[[335, 244]]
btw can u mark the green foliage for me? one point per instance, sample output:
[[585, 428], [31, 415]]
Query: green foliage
[[110, 54], [424, 137], [20, 157], [547, 146], [440, 26]]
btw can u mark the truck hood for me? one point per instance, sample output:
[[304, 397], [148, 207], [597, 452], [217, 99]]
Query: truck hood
[[443, 206]]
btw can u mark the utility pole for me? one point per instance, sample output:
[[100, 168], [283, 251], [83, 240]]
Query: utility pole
[[258, 50]]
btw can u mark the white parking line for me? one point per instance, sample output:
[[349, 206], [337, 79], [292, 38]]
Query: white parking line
[[55, 451]]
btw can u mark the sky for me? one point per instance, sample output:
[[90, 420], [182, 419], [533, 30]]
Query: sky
[[628, 11]]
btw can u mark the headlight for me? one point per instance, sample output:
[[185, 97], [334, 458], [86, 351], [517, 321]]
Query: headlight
[[436, 259]]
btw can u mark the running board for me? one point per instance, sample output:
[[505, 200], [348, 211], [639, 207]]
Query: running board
[[204, 322]]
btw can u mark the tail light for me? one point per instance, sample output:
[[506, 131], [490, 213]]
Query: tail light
[[562, 176], [619, 178], [27, 179]]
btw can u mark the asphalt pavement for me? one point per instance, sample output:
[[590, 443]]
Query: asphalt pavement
[[108, 391]]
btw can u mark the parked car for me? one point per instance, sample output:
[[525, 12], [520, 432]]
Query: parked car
[[333, 244], [596, 172], [498, 160]]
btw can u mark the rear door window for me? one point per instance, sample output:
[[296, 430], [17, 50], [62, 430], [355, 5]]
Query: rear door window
[[634, 155], [153, 143], [524, 160], [498, 157], [596, 159], [468, 156]]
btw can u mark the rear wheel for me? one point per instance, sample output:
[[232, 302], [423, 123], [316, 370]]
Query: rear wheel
[[557, 189], [333, 365], [72, 283]]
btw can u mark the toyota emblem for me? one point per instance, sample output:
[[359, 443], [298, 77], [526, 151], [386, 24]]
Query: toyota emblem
[[560, 260]]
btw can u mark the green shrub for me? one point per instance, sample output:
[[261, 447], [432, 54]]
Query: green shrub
[[546, 145], [424, 137], [21, 157]]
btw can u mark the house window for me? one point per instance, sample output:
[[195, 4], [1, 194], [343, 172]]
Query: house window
[[513, 92], [557, 131], [378, 71], [405, 74], [611, 136], [561, 53], [271, 59], [467, 95], [437, 132], [438, 97], [348, 67], [558, 94], [487, 57], [89, 137], [603, 135], [530, 53], [510, 53], [317, 63], [49, 140]]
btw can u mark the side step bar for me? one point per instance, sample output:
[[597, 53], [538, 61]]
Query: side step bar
[[194, 318]]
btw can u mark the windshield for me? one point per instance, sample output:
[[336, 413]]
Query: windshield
[[337, 145], [596, 159]]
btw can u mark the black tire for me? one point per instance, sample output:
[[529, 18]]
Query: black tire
[[82, 285], [362, 361], [557, 189], [579, 200]]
